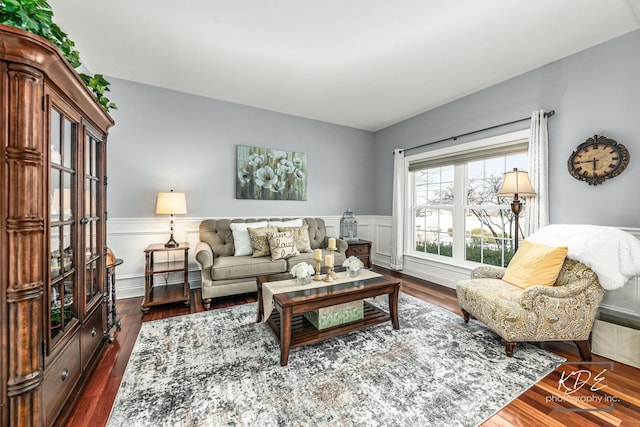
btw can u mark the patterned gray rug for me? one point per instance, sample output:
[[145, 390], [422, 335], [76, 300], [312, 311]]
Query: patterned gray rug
[[220, 368]]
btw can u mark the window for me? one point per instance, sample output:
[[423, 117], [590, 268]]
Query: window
[[455, 212]]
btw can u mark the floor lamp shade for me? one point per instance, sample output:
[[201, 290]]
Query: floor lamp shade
[[171, 203], [516, 184]]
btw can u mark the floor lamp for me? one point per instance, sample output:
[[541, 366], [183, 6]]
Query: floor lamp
[[516, 184], [171, 204]]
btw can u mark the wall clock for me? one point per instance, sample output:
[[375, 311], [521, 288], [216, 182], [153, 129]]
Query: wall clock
[[597, 159]]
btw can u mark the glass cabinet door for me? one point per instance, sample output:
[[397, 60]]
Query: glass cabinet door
[[91, 220], [63, 303]]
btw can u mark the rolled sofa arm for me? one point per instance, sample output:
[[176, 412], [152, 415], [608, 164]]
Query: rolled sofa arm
[[487, 272], [342, 245], [204, 255]]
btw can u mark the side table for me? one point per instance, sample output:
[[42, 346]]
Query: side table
[[360, 249], [164, 294], [113, 320]]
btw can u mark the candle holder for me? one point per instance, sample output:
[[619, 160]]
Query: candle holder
[[317, 276], [331, 274]]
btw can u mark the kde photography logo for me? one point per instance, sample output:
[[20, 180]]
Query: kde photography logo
[[582, 388]]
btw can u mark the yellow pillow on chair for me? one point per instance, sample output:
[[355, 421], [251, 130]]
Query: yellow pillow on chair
[[535, 264]]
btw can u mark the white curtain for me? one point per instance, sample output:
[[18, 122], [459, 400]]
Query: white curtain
[[397, 228], [538, 206]]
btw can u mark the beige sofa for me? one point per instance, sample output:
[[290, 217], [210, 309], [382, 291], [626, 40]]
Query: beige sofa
[[563, 312], [225, 274]]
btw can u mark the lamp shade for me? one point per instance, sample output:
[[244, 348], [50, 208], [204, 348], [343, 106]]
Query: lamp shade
[[171, 203], [516, 182]]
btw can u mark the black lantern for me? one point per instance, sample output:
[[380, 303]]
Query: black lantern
[[348, 226]]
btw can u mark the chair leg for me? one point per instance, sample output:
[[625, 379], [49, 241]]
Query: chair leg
[[466, 315], [207, 303], [584, 349], [508, 347]]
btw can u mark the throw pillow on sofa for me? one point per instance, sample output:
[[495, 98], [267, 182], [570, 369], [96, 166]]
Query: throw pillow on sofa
[[290, 223], [260, 241], [535, 264], [282, 245], [301, 237], [241, 240]]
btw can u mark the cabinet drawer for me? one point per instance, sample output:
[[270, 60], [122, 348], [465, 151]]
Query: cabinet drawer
[[91, 336], [358, 250], [60, 378]]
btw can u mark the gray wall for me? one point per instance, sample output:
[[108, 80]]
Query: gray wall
[[596, 91], [165, 139]]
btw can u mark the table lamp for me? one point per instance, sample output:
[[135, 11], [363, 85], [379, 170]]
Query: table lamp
[[516, 184], [171, 204]]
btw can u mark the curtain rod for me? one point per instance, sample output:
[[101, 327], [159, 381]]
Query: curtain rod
[[547, 114]]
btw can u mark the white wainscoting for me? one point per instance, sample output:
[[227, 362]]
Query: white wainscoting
[[624, 300], [128, 238]]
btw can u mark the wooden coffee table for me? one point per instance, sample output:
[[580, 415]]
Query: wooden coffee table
[[293, 330]]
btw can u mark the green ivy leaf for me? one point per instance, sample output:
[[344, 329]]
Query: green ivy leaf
[[36, 16]]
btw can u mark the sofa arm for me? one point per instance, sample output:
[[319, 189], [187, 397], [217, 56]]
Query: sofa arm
[[487, 272], [204, 255], [342, 245], [585, 288]]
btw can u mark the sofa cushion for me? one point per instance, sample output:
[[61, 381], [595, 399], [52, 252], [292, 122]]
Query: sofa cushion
[[259, 240], [535, 264], [301, 237], [282, 245], [241, 240], [245, 266]]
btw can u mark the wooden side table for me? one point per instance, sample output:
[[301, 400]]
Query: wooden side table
[[360, 249], [155, 294]]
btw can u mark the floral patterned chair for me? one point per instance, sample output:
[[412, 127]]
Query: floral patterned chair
[[563, 312]]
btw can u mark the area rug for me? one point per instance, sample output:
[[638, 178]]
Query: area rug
[[220, 368]]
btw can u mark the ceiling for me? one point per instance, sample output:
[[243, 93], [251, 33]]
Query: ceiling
[[366, 64]]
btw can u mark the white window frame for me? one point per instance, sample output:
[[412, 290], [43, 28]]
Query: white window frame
[[460, 180]]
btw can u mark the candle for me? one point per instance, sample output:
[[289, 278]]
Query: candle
[[317, 255], [332, 244], [328, 260]]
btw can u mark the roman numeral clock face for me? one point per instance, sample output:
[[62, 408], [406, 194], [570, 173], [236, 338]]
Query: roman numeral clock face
[[597, 159]]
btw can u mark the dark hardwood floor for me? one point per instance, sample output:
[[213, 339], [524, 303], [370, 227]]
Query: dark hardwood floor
[[532, 408]]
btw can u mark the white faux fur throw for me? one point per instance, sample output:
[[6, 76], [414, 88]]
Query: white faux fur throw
[[613, 254]]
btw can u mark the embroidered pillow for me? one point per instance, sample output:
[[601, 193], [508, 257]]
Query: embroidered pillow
[[282, 245], [301, 236], [259, 241], [241, 241], [535, 264]]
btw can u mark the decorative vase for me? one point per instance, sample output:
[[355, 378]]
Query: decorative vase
[[303, 280], [352, 273]]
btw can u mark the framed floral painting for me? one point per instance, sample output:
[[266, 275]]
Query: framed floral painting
[[266, 174]]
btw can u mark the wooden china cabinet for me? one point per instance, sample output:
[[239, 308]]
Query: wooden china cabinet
[[53, 137]]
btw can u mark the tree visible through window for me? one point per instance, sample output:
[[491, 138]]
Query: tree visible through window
[[457, 214]]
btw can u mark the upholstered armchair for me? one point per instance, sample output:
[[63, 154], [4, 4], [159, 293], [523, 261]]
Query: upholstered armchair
[[562, 312]]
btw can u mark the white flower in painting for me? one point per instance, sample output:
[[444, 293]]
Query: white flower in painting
[[256, 160], [302, 270], [297, 161], [244, 176], [277, 155], [265, 177], [277, 186], [284, 167], [299, 174]]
